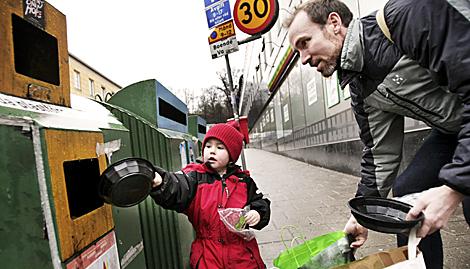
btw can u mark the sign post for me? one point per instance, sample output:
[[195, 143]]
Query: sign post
[[254, 17], [234, 103], [222, 40]]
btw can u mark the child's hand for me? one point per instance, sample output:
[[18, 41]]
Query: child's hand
[[252, 217], [157, 180]]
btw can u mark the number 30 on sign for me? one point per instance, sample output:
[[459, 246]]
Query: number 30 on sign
[[255, 16]]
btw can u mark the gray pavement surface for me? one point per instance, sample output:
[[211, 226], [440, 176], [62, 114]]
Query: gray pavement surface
[[315, 200]]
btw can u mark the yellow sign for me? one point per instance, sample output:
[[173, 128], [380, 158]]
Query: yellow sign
[[222, 31], [255, 16]]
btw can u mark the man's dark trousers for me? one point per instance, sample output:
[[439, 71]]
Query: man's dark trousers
[[422, 174]]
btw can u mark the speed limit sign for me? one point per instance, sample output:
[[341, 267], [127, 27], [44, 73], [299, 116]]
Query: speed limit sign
[[255, 16]]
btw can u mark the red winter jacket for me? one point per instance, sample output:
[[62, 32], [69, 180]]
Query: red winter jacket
[[198, 192]]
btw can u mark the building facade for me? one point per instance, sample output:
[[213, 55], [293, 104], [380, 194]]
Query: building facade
[[294, 111], [87, 81]]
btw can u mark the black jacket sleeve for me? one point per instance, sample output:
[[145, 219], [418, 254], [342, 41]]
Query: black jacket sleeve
[[436, 34], [257, 202], [176, 191]]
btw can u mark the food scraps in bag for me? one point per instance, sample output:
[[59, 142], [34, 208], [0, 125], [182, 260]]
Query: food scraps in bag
[[235, 221], [241, 223]]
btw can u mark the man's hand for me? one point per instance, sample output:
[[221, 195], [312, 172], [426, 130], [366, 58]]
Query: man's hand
[[157, 180], [355, 229], [437, 204], [252, 217]]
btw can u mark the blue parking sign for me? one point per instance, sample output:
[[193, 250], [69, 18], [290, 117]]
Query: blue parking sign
[[218, 13], [209, 2]]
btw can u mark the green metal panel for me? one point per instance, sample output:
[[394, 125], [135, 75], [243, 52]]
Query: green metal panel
[[23, 240], [132, 97], [194, 122], [129, 237], [167, 235], [154, 102], [126, 220], [186, 234], [192, 125]]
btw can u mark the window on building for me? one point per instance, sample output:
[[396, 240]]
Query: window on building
[[265, 61], [76, 79], [255, 80], [91, 85], [260, 69], [269, 45]]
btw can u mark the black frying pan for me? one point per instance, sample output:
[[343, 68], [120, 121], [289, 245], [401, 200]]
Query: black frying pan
[[127, 182]]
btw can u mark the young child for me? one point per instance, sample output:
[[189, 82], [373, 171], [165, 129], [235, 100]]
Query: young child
[[199, 190]]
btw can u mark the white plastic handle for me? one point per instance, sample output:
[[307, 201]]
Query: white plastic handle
[[413, 242]]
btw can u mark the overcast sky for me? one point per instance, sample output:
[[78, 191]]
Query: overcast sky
[[130, 41]]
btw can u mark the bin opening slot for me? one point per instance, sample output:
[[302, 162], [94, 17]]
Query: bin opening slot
[[35, 51], [82, 178], [168, 111], [201, 129]]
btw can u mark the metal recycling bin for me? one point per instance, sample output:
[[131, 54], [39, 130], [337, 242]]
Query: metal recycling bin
[[52, 211], [117, 146], [197, 127], [52, 215], [157, 121]]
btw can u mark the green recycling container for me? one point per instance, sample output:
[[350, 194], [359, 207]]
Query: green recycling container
[[157, 121], [52, 213], [127, 224], [197, 127]]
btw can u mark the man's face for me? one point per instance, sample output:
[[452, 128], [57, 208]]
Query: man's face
[[216, 155], [318, 46]]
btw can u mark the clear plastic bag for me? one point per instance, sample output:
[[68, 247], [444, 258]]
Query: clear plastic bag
[[409, 198], [234, 220]]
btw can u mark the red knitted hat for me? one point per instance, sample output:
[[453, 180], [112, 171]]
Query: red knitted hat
[[229, 136]]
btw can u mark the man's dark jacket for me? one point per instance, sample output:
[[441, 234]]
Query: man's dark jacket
[[423, 74]]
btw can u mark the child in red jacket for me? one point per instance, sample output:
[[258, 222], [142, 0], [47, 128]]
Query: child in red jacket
[[200, 190]]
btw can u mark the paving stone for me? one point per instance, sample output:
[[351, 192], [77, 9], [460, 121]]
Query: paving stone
[[315, 200]]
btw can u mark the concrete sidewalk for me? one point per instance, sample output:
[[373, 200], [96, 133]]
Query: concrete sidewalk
[[315, 200]]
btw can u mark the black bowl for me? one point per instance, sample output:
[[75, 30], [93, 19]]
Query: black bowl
[[383, 215], [126, 182]]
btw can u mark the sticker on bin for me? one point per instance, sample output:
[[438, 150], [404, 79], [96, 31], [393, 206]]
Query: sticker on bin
[[102, 254]]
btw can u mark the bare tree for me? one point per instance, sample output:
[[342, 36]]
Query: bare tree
[[215, 102], [237, 77], [211, 107], [187, 96]]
